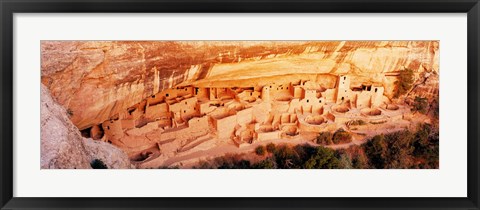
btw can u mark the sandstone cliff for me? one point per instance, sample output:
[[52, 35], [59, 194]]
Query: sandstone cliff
[[62, 146], [95, 80]]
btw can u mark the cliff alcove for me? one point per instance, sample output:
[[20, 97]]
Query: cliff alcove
[[163, 102]]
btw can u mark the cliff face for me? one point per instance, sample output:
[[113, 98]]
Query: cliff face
[[95, 80], [62, 146]]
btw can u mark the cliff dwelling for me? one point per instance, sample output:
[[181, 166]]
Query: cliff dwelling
[[188, 119], [162, 119]]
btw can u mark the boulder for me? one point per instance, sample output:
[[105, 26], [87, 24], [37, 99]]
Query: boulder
[[62, 146]]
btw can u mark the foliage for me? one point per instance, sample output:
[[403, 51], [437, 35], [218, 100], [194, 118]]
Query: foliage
[[168, 167], [241, 164], [356, 122], [229, 161], [98, 164], [325, 138], [270, 147], [324, 158], [405, 82], [404, 149], [345, 161], [203, 164], [265, 164], [420, 104], [341, 137], [286, 157], [435, 107], [260, 150], [426, 147], [360, 162], [375, 150]]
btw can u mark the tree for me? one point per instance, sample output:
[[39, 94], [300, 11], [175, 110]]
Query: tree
[[310, 164], [341, 136], [400, 149], [286, 157], [435, 107], [426, 146], [266, 164], [376, 151], [324, 138], [260, 150], [323, 159], [270, 147], [359, 162], [420, 104], [230, 162], [345, 162], [405, 82]]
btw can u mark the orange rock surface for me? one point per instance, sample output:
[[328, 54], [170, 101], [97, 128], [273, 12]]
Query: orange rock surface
[[95, 80], [167, 103]]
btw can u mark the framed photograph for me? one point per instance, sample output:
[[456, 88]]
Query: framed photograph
[[239, 105]]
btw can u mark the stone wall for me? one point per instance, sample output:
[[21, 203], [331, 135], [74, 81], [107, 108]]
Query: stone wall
[[98, 79]]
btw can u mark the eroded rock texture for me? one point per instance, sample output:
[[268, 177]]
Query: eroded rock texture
[[112, 156], [95, 80], [62, 146]]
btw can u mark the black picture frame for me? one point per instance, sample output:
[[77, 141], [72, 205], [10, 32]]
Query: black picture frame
[[10, 7]]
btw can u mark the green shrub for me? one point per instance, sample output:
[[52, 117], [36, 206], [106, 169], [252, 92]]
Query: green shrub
[[404, 149], [286, 157], [324, 158], [341, 137], [435, 107], [203, 164], [376, 151], [228, 161], [420, 104], [270, 147], [356, 122], [169, 167], [260, 150], [310, 164], [325, 138], [266, 164], [405, 82], [426, 146], [359, 162], [98, 164]]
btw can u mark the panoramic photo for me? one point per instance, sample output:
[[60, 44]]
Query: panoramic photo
[[240, 104]]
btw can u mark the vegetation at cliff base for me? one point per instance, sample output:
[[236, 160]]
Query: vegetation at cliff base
[[403, 149], [260, 150], [341, 137], [338, 137], [420, 105], [270, 147], [355, 122], [404, 82], [324, 138]]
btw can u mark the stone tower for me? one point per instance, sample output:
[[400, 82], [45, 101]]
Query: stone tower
[[266, 92], [343, 88]]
